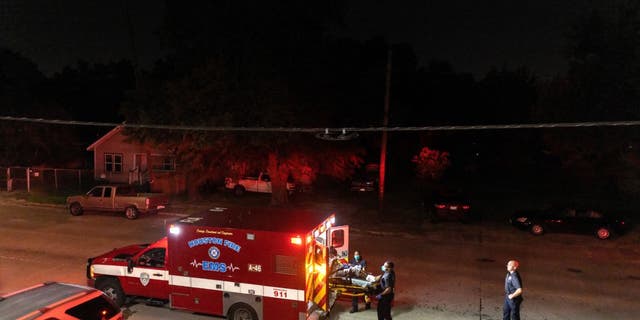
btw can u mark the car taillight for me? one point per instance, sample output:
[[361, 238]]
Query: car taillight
[[440, 206], [466, 207]]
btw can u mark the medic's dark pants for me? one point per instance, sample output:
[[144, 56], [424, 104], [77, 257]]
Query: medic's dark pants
[[384, 307], [511, 309]]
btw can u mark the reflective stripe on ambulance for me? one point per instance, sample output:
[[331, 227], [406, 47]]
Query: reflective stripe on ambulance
[[202, 283]]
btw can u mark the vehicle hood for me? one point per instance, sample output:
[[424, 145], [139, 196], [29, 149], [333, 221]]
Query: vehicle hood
[[120, 254]]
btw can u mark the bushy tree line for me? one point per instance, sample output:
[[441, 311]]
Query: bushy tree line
[[246, 63]]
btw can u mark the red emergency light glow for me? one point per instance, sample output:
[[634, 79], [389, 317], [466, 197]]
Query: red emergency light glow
[[296, 240]]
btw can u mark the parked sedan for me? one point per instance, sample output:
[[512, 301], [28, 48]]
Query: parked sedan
[[569, 220], [448, 205]]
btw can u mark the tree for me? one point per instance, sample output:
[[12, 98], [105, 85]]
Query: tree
[[206, 97], [23, 94], [431, 164], [241, 63], [602, 84]]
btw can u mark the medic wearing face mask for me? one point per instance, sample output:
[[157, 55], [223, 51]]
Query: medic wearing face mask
[[387, 284], [358, 261]]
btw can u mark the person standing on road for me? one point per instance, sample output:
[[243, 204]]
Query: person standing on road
[[358, 262], [513, 292], [385, 298]]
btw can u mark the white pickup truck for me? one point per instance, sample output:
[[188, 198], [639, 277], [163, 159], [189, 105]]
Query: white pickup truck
[[261, 183]]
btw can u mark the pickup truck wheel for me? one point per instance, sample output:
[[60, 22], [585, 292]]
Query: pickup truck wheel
[[242, 311], [238, 191], [111, 287], [131, 213], [75, 209]]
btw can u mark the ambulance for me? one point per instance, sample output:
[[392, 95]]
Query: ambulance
[[236, 262]]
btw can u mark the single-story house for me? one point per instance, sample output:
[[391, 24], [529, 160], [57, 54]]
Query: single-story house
[[116, 160]]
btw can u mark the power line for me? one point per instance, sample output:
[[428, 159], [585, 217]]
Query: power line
[[326, 130]]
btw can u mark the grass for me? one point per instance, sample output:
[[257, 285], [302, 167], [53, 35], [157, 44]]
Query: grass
[[37, 197]]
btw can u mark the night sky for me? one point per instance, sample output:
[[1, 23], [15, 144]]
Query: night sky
[[472, 35]]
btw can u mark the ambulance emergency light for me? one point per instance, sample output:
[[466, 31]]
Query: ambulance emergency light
[[174, 230]]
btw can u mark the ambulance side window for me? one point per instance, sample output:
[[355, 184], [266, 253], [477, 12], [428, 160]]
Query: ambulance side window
[[337, 238], [153, 258]]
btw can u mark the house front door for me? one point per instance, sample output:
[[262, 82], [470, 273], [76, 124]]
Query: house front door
[[140, 168]]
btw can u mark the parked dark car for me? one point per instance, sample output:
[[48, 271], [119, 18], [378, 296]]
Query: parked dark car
[[570, 219], [450, 205], [365, 182]]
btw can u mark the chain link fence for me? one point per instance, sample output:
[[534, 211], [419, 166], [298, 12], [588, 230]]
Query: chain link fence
[[44, 179]]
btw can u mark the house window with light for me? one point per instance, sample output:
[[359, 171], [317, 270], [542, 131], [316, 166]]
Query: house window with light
[[163, 163], [113, 162]]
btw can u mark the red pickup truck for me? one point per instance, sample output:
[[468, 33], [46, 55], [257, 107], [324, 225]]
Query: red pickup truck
[[117, 198]]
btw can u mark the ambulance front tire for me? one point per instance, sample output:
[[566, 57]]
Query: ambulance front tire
[[111, 287], [75, 209], [242, 311]]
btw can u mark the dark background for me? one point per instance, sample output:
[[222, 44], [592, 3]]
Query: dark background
[[323, 64]]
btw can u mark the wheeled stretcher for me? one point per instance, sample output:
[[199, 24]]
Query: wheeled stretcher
[[353, 282]]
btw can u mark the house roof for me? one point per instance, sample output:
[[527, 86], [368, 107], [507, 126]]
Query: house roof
[[105, 138]]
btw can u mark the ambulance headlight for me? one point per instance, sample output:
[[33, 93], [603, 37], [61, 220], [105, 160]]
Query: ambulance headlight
[[174, 230]]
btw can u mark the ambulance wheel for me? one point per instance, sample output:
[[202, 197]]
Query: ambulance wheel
[[131, 213], [238, 191], [75, 209], [111, 287], [242, 311]]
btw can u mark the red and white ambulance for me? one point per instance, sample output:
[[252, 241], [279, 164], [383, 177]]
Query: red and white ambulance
[[239, 263]]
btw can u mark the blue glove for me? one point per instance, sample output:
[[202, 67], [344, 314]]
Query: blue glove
[[378, 297]]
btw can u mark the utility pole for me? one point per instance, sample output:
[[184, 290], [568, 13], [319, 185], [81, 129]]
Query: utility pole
[[385, 123]]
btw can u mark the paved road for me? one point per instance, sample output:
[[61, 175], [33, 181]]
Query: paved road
[[449, 271]]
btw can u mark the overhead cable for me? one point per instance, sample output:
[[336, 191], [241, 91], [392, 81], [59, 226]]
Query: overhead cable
[[341, 130]]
